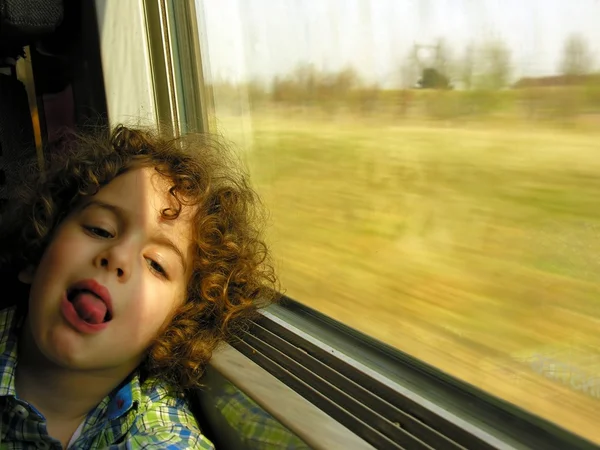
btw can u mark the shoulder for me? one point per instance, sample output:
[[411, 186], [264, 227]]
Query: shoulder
[[165, 421]]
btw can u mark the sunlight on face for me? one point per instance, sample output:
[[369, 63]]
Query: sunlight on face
[[118, 243]]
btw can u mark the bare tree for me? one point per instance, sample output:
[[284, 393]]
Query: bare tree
[[466, 69], [577, 58], [306, 77], [442, 60], [346, 80], [495, 65]]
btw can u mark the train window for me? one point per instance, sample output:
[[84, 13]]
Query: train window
[[430, 169]]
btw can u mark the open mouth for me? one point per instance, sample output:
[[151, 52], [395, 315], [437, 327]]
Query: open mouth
[[90, 307]]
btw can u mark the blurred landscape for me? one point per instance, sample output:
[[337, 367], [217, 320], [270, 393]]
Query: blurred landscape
[[455, 216]]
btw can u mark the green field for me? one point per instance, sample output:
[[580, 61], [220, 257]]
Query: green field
[[476, 249]]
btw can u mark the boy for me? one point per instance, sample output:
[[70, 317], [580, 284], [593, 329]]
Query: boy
[[140, 255]]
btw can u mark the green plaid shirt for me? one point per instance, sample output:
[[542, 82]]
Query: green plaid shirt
[[135, 416]]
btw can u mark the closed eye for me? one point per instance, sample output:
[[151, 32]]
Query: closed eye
[[156, 267], [99, 232]]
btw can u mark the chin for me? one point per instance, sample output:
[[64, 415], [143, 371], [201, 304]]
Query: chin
[[59, 347]]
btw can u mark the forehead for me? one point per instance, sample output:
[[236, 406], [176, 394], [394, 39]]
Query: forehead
[[142, 194]]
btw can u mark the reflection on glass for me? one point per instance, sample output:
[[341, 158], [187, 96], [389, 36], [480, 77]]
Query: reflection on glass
[[432, 172]]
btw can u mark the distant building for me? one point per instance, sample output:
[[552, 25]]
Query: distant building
[[557, 80]]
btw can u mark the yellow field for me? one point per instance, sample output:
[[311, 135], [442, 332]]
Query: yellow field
[[474, 249]]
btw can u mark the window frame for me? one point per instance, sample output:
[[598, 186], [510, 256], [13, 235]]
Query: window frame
[[448, 405]]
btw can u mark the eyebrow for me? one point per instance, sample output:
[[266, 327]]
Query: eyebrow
[[159, 239]]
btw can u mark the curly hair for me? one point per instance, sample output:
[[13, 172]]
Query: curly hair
[[232, 276]]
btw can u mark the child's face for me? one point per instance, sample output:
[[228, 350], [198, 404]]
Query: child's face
[[121, 245]]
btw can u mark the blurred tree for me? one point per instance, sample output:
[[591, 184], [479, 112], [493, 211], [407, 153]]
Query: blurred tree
[[577, 59], [466, 69], [346, 80], [495, 65], [442, 59], [576, 65], [433, 79]]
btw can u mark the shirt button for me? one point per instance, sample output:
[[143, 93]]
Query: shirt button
[[21, 412], [42, 445]]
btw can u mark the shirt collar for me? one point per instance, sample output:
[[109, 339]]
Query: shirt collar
[[128, 395]]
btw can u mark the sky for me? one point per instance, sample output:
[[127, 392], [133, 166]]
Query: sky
[[258, 39]]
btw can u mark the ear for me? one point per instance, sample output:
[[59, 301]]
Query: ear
[[26, 275]]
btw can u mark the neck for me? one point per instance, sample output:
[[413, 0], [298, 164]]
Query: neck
[[61, 394]]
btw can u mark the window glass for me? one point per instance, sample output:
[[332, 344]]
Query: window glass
[[432, 174]]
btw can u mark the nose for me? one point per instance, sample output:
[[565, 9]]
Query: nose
[[116, 260]]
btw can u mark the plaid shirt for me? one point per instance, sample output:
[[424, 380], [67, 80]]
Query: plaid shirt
[[252, 426], [135, 416]]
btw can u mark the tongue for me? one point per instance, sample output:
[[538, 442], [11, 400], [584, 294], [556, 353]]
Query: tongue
[[89, 307]]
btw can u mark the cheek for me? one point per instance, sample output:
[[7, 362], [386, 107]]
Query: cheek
[[150, 310], [49, 270], [64, 248]]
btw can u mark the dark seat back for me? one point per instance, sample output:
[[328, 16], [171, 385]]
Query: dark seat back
[[16, 133], [22, 22]]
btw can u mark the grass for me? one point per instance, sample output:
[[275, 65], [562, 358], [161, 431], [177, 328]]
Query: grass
[[470, 248]]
